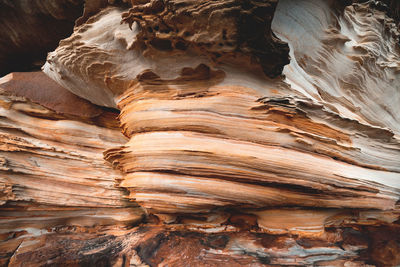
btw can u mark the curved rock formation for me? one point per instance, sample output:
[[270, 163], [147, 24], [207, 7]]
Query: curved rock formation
[[256, 133]]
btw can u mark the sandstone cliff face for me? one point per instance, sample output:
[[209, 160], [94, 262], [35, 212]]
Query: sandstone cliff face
[[207, 133]]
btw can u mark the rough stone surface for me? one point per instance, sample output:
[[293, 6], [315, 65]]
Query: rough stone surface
[[207, 133]]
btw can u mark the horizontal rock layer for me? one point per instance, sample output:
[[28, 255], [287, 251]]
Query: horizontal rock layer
[[52, 170], [234, 158], [279, 150]]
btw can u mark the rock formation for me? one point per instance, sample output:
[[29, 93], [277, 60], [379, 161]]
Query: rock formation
[[203, 133]]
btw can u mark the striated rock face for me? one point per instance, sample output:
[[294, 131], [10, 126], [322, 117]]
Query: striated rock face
[[351, 68], [207, 133]]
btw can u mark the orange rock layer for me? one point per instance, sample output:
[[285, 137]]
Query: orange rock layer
[[248, 133]]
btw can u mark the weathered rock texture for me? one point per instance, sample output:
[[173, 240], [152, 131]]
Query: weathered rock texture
[[249, 133]]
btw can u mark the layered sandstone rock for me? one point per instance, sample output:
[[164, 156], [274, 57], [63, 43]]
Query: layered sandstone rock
[[253, 133]]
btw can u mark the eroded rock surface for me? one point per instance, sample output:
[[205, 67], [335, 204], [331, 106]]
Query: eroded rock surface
[[249, 133]]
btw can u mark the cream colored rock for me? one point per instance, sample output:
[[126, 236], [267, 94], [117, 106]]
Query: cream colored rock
[[349, 62], [232, 163], [52, 170], [205, 134]]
